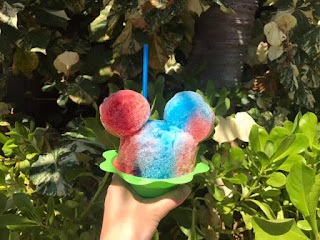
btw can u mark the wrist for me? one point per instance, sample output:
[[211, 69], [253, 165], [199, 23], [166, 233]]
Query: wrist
[[124, 231]]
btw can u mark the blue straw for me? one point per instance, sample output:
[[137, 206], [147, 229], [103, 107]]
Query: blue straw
[[145, 71]]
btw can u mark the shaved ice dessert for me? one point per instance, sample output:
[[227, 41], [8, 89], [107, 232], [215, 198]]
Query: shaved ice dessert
[[157, 149]]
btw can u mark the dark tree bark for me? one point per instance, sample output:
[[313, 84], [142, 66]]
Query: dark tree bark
[[221, 42]]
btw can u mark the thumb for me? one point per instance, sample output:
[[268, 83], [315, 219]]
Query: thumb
[[171, 200]]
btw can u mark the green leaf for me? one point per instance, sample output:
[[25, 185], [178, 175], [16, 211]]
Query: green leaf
[[75, 6], [295, 127], [299, 184], [128, 66], [311, 76], [83, 91], [21, 130], [247, 218], [13, 235], [276, 179], [304, 96], [9, 147], [50, 210], [160, 84], [269, 149], [9, 35], [210, 92], [2, 178], [112, 88], [9, 13], [216, 160], [48, 172], [132, 85], [157, 56], [25, 61], [265, 208], [238, 179], [3, 203], [284, 229], [290, 161], [218, 194], [158, 17], [62, 100], [73, 174], [155, 115], [301, 28], [310, 41], [307, 126], [223, 103], [197, 6], [13, 219], [23, 203], [313, 200], [50, 17], [287, 78], [130, 41], [86, 236], [38, 40], [263, 159], [258, 138], [292, 144], [235, 160], [270, 192], [277, 134], [304, 225], [4, 234], [102, 27], [3, 138], [101, 135]]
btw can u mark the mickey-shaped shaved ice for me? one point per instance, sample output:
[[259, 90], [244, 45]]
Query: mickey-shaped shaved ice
[[157, 148]]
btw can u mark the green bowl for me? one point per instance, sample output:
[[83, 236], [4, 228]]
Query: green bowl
[[149, 187]]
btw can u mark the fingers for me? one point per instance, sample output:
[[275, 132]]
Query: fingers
[[171, 200], [120, 185]]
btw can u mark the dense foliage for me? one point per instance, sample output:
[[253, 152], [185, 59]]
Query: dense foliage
[[263, 183]]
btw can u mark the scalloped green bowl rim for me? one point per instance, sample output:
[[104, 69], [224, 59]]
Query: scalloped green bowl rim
[[150, 182]]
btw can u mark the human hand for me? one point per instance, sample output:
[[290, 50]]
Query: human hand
[[129, 216]]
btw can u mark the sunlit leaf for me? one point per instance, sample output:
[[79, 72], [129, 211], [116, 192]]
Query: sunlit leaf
[[197, 6], [274, 35], [285, 229], [290, 161], [275, 52], [285, 20], [307, 125], [99, 27], [276, 179], [65, 60], [8, 13], [292, 144], [262, 52], [265, 208], [299, 184]]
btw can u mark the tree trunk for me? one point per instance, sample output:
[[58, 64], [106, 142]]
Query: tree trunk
[[221, 42]]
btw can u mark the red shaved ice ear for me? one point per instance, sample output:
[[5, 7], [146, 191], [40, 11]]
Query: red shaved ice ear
[[123, 113]]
